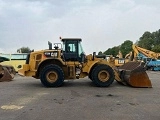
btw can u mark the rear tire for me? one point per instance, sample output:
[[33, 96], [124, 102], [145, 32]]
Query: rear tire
[[102, 75], [52, 76]]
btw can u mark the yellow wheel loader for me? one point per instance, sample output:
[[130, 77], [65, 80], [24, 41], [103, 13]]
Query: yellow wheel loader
[[67, 61], [6, 73]]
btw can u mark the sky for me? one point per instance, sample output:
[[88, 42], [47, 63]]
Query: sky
[[101, 24]]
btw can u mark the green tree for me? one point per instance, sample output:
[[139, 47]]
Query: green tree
[[112, 51], [150, 41], [156, 48], [156, 37], [24, 50], [100, 53], [147, 40], [126, 47]]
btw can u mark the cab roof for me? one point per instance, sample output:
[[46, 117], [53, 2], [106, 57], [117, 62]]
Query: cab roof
[[76, 39]]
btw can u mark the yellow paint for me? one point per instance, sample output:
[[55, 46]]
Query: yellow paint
[[14, 63], [16, 60], [11, 107]]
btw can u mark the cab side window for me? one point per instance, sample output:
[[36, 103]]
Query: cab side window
[[71, 47], [71, 50]]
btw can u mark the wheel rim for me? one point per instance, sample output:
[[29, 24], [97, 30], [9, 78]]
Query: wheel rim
[[52, 76], [103, 76]]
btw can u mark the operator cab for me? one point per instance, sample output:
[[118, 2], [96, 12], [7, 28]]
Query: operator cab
[[72, 49]]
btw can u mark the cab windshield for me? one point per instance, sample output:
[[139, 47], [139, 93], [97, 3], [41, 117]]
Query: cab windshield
[[80, 51]]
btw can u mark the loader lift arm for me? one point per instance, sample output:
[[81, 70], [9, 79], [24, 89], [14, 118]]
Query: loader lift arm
[[147, 53]]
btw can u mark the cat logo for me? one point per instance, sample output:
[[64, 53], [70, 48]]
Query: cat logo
[[121, 61], [51, 54], [54, 54]]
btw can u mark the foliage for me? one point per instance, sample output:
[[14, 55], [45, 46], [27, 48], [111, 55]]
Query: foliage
[[156, 48], [24, 50], [150, 41], [146, 41], [112, 51], [126, 47], [100, 53]]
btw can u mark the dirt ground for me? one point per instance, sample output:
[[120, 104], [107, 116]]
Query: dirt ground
[[26, 98]]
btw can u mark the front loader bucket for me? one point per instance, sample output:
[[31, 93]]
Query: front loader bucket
[[134, 74], [6, 73]]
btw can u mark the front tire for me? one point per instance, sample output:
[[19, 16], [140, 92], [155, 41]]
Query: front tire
[[52, 76], [102, 75]]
